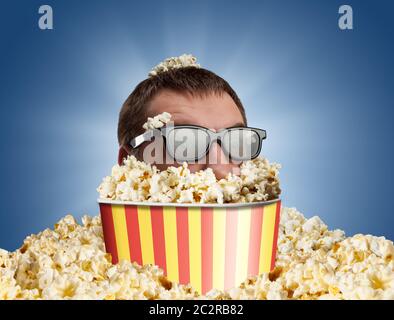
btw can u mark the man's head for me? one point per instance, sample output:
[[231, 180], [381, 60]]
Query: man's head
[[192, 96]]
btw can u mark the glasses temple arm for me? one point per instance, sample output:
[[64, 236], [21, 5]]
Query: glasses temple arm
[[145, 137]]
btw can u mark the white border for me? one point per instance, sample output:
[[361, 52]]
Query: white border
[[204, 205]]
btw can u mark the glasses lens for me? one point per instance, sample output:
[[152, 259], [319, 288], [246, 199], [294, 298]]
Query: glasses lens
[[187, 144], [241, 143]]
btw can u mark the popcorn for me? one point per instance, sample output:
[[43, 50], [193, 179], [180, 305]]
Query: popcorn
[[312, 262], [138, 181], [70, 262], [157, 122], [185, 60]]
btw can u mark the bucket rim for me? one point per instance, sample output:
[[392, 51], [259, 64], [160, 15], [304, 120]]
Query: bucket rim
[[203, 205]]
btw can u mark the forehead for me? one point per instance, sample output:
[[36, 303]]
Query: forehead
[[212, 111]]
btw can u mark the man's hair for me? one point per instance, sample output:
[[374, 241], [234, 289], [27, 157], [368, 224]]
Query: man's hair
[[195, 81]]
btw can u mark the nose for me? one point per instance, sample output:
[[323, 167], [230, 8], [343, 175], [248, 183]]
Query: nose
[[219, 163]]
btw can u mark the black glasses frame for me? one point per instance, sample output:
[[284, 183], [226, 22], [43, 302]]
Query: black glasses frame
[[213, 136]]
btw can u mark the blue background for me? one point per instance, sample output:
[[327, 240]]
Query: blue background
[[325, 97]]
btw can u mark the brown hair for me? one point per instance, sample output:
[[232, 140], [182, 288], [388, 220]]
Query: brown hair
[[196, 81]]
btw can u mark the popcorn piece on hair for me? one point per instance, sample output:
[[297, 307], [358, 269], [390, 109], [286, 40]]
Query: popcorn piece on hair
[[157, 122], [185, 60]]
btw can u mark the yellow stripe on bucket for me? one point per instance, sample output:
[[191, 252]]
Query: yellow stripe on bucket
[[170, 235], [145, 225], [267, 237], [120, 226], [243, 231], [219, 228], [194, 221]]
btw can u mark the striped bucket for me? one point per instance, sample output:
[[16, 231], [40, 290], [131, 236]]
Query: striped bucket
[[208, 246]]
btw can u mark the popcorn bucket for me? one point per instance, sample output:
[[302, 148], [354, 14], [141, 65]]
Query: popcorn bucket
[[206, 245]]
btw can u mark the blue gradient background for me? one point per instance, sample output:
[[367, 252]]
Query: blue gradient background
[[325, 97]]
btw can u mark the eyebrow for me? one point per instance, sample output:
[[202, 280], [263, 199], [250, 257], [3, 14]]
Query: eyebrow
[[238, 124]]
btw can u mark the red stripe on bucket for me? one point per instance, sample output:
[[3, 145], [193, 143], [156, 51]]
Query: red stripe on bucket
[[231, 247], [274, 243], [133, 231], [109, 231], [158, 237], [183, 244], [206, 248], [256, 224]]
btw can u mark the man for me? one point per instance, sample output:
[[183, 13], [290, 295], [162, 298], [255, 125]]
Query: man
[[193, 96]]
